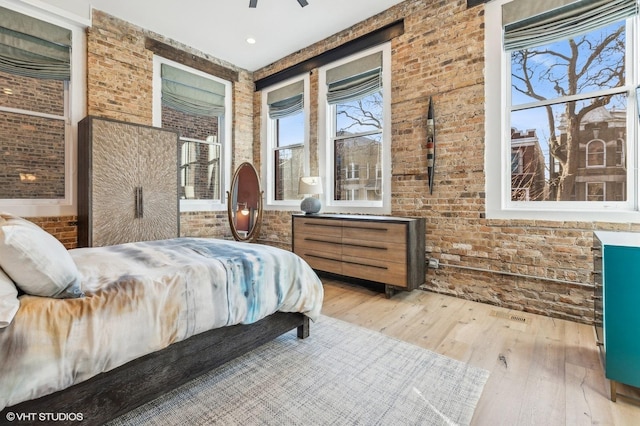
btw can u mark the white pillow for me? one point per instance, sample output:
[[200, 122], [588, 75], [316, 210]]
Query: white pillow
[[35, 260], [9, 302]]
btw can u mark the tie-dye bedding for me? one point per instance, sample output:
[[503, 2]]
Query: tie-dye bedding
[[140, 298]]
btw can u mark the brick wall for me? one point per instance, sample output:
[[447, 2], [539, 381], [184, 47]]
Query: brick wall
[[119, 86], [31, 148], [64, 228], [120, 74], [189, 125], [535, 266]]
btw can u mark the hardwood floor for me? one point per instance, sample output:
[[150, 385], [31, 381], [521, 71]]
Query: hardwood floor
[[543, 371]]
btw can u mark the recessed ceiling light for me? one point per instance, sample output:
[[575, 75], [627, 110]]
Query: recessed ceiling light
[[251, 40]]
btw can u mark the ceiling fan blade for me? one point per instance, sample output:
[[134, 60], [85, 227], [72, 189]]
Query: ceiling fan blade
[[303, 3], [253, 3]]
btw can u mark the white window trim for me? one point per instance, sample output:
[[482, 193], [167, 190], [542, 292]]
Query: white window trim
[[225, 174], [67, 206], [325, 147], [268, 137], [497, 140]]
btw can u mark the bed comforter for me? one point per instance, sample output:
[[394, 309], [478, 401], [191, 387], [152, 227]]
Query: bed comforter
[[140, 298]]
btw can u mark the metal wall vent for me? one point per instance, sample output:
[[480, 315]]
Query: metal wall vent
[[511, 317]]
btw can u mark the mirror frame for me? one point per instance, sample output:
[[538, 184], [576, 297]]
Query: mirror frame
[[232, 203]]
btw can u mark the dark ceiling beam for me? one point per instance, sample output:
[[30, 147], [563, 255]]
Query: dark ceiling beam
[[472, 3], [374, 38], [189, 59]]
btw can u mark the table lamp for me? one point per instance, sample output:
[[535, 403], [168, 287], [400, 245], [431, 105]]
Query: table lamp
[[309, 186]]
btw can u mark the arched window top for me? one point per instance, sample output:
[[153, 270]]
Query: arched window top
[[596, 153]]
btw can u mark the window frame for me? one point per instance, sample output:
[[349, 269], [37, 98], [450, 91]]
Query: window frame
[[602, 184], [225, 129], [589, 154], [269, 137], [75, 110], [497, 136], [326, 128]]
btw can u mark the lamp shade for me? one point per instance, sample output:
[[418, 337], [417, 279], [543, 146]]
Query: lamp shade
[[310, 185]]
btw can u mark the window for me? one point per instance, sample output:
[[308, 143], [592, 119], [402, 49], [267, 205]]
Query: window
[[595, 191], [567, 73], [196, 105], [355, 136], [620, 152], [37, 112], [596, 154], [517, 164], [285, 153]]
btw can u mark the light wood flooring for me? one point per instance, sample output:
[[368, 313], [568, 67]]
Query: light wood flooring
[[543, 371]]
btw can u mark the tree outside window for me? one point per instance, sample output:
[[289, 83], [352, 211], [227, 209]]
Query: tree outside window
[[571, 92], [358, 148]]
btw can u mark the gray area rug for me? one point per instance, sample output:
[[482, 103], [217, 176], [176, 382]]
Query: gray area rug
[[341, 375]]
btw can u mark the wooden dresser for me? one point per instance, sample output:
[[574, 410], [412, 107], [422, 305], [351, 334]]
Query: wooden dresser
[[384, 249]]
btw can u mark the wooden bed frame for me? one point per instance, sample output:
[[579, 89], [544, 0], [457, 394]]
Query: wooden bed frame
[[111, 394]]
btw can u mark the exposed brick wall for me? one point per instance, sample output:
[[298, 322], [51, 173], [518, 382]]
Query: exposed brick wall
[[33, 94], [31, 157], [31, 148], [120, 74], [64, 228], [119, 70], [205, 224], [243, 122], [189, 125], [441, 54]]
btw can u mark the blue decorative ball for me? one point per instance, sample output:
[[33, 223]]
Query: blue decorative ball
[[310, 205]]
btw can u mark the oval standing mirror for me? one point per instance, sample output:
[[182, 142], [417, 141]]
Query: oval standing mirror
[[244, 203]]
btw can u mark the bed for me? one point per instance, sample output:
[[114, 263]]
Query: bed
[[99, 331]]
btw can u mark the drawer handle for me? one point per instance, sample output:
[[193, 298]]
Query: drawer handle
[[318, 224], [365, 246], [320, 257], [316, 240], [365, 264], [364, 228]]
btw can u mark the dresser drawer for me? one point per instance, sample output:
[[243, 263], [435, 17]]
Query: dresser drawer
[[375, 270], [375, 231], [322, 261], [317, 227], [379, 250], [317, 242]]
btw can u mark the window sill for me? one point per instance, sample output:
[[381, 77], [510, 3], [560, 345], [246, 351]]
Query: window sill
[[569, 215]]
